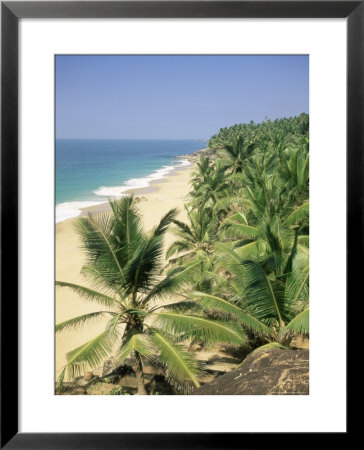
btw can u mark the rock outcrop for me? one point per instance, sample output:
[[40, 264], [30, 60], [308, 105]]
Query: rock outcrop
[[194, 157], [264, 372]]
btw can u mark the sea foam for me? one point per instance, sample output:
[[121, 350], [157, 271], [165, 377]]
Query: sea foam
[[138, 183], [68, 210]]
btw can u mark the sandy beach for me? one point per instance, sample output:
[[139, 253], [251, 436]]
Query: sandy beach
[[155, 201]]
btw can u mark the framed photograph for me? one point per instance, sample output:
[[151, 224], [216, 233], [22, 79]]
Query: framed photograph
[[181, 182]]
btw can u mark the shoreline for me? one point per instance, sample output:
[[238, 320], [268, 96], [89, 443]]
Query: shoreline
[[137, 192], [153, 203], [153, 185]]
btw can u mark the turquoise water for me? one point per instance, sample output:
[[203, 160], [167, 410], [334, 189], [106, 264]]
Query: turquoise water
[[90, 171]]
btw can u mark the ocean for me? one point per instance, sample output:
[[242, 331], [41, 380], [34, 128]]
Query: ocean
[[89, 172]]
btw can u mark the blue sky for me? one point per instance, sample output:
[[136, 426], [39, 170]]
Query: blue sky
[[174, 97]]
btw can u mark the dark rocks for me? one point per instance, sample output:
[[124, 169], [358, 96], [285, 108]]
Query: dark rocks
[[71, 388], [159, 386], [264, 372], [110, 365], [101, 389], [194, 157], [219, 364], [78, 386], [77, 391], [81, 382], [86, 381], [67, 388]]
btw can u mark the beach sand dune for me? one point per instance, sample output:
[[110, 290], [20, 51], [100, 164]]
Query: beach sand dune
[[169, 193]]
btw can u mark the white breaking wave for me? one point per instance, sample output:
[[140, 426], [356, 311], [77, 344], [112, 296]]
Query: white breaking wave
[[68, 210], [137, 183]]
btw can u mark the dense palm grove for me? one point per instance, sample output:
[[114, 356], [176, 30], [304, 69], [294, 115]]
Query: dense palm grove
[[236, 273]]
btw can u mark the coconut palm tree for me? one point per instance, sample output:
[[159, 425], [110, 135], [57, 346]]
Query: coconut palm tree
[[287, 128], [123, 275], [273, 234], [294, 172], [209, 185], [193, 237], [280, 141], [204, 168], [274, 307], [195, 242], [237, 152], [262, 255], [264, 272]]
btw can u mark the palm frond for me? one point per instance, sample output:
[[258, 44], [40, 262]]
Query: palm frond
[[165, 221], [228, 202], [183, 307], [262, 297], [145, 265], [229, 260], [146, 261], [178, 247], [96, 232], [175, 280], [298, 214], [240, 229], [297, 281], [213, 302], [90, 354], [60, 379], [300, 324], [183, 227], [199, 327], [180, 364], [250, 249], [80, 320], [101, 279], [139, 342], [226, 250], [304, 240], [112, 326], [88, 294], [126, 233]]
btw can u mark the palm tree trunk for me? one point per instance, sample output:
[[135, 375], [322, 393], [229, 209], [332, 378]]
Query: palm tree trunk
[[139, 375]]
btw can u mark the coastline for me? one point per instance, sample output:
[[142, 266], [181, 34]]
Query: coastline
[[153, 202], [140, 185], [154, 186]]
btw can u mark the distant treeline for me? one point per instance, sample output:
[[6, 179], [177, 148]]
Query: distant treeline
[[290, 127]]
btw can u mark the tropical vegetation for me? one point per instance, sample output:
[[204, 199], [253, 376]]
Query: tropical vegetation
[[237, 272]]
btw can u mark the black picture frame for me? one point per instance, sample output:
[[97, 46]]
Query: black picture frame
[[11, 12]]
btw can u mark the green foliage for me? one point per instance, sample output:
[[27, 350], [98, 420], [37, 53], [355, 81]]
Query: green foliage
[[300, 323], [91, 354], [237, 152], [77, 321], [266, 132], [211, 302], [120, 390], [240, 262], [261, 239], [200, 328], [123, 272], [181, 365]]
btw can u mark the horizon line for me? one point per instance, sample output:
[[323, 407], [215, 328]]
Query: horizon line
[[135, 138]]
